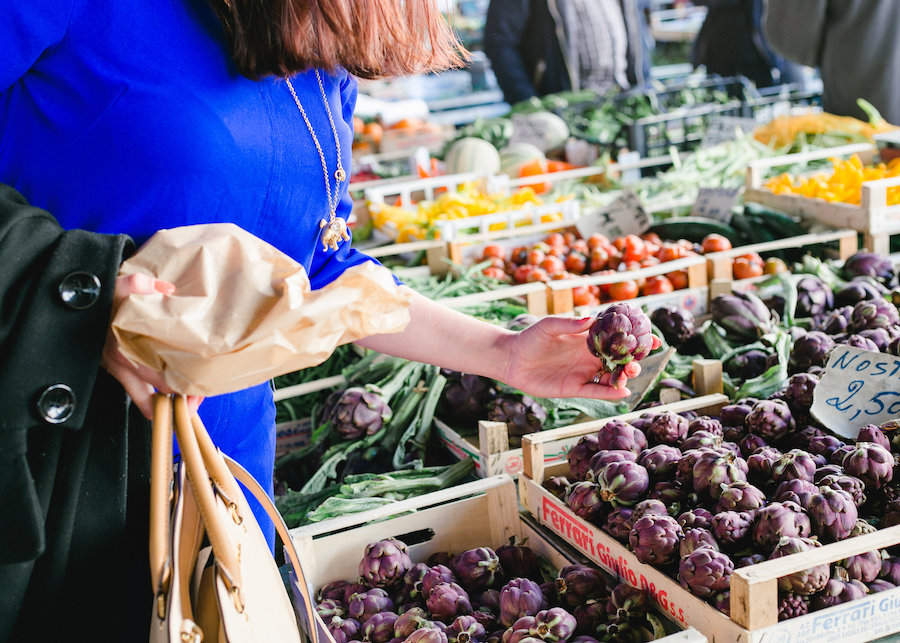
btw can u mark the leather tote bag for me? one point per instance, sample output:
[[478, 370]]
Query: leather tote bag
[[229, 590]]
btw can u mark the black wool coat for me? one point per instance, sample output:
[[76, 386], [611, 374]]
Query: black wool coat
[[74, 454]]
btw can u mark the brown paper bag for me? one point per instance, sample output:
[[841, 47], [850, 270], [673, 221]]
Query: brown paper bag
[[243, 311]]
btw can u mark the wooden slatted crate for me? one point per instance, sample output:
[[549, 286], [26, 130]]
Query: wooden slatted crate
[[873, 217], [754, 589], [434, 522]]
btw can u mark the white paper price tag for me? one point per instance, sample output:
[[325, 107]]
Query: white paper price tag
[[526, 130], [722, 129], [715, 203], [626, 215], [858, 388]]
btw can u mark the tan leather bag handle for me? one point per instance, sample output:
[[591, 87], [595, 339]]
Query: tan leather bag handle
[[200, 454]]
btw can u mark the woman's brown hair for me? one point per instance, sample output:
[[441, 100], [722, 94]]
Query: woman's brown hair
[[369, 38]]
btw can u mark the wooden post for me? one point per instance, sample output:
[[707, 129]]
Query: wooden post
[[747, 609], [436, 259], [537, 304], [669, 395], [503, 512], [707, 376], [454, 252], [878, 243], [719, 287], [847, 246], [720, 269], [493, 439], [533, 459], [697, 277], [560, 301]]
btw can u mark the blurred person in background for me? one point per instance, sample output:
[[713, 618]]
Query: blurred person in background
[[731, 42], [852, 42], [540, 47]]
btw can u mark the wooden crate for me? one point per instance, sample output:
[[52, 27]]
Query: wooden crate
[[491, 451], [434, 522], [720, 264], [873, 217], [754, 589]]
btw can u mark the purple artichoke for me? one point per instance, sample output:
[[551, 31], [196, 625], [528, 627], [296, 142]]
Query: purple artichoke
[[750, 559], [650, 506], [435, 575], [520, 597], [579, 456], [589, 616], [873, 313], [660, 461], [732, 528], [584, 499], [618, 523], [343, 630], [578, 583], [791, 605], [712, 470], [837, 592], [695, 539], [814, 297], [336, 590], [667, 428], [356, 412], [833, 514], [465, 629], [810, 350], [380, 627], [554, 624], [362, 605], [604, 457], [409, 621], [488, 600], [759, 463], [447, 601], [684, 470], [620, 334], [742, 315], [674, 322], [703, 439], [329, 608], [863, 567], [412, 581], [466, 396], [558, 486], [778, 520], [798, 393], [618, 435], [427, 635], [705, 423], [869, 264], [793, 465], [808, 581], [672, 495], [825, 445], [881, 337], [750, 443], [856, 290], [837, 321], [705, 572], [626, 601], [879, 585], [861, 342], [826, 470], [623, 483], [748, 364], [521, 414], [384, 563], [478, 569], [734, 415], [797, 490], [871, 463], [872, 433], [770, 419], [518, 559], [740, 496], [654, 539], [698, 517], [854, 486]]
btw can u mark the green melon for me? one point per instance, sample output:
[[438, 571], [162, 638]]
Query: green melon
[[513, 156], [472, 154]]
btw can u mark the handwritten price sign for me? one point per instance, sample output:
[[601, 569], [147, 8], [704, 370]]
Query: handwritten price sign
[[858, 388], [625, 215]]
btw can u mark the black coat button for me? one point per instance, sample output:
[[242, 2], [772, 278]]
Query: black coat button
[[79, 290], [56, 404]]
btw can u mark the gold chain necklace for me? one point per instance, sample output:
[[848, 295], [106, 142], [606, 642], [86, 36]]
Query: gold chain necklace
[[336, 227]]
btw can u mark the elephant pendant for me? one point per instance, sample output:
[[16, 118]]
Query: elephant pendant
[[336, 231]]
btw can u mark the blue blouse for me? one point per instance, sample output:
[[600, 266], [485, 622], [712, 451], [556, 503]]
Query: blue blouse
[[126, 116]]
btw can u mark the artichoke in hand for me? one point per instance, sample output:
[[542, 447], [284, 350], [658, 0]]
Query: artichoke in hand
[[621, 334]]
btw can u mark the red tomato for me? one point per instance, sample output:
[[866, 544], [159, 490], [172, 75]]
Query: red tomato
[[538, 274], [493, 250], [523, 272], [715, 243], [634, 248], [599, 259], [678, 279], [752, 257], [495, 273], [555, 239], [627, 289], [552, 263], [576, 262], [597, 239], [535, 256], [582, 296], [658, 285], [652, 237], [580, 245], [744, 268]]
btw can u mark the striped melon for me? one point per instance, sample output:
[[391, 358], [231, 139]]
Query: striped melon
[[514, 155], [472, 154]]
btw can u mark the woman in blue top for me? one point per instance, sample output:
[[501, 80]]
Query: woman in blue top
[[122, 117]]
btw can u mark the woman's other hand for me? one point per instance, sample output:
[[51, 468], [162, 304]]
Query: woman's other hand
[[140, 382]]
